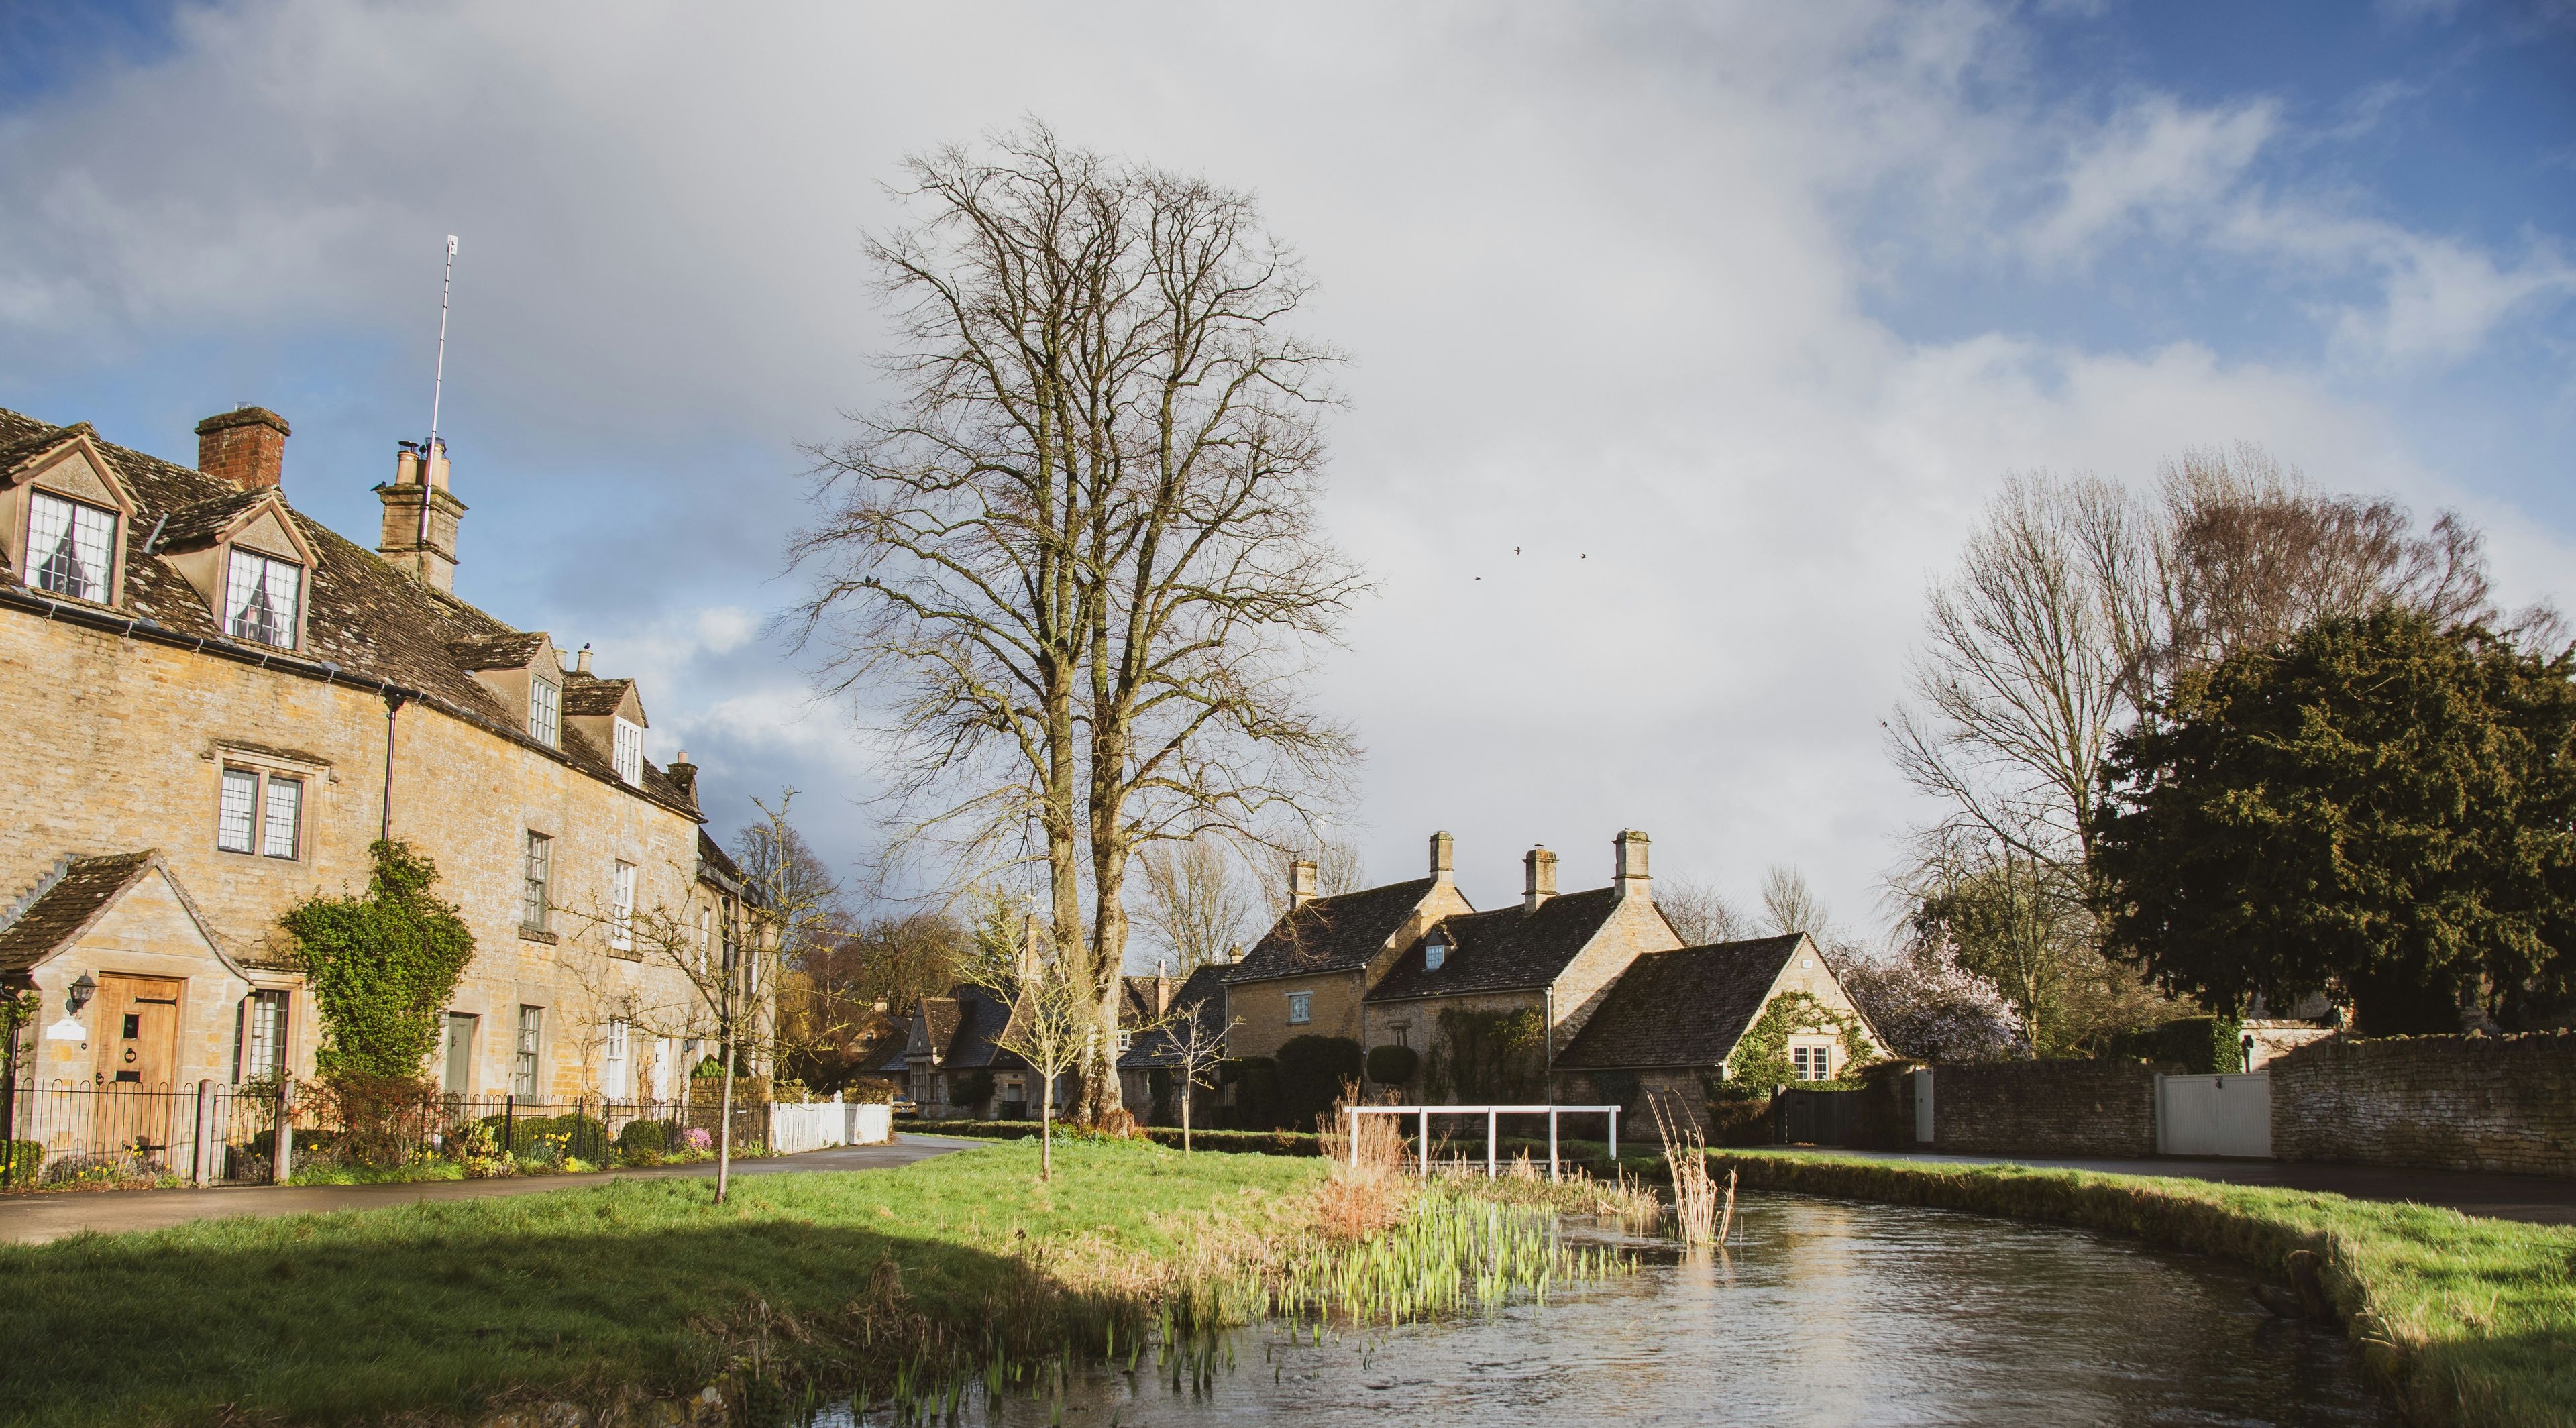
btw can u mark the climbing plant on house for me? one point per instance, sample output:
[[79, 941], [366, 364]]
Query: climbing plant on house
[[381, 967], [1761, 1058]]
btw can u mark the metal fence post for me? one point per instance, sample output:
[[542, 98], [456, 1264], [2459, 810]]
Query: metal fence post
[[200, 1162], [281, 1170], [510, 1125]]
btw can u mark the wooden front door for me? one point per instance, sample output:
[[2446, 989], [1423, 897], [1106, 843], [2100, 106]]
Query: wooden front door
[[135, 1036]]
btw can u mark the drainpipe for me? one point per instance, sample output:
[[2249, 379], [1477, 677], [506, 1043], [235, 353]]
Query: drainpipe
[[393, 705]]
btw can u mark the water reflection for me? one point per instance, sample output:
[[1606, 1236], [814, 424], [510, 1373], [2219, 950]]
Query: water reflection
[[1824, 1313]]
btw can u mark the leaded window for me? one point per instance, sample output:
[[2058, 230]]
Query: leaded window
[[69, 546], [233, 822], [1301, 1008], [545, 710], [263, 1035], [283, 828], [261, 596], [523, 1067], [534, 881]]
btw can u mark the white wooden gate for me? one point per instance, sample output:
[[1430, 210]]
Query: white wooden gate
[[2215, 1115]]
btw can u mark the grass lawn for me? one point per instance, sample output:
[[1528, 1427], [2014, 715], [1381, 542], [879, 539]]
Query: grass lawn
[[581, 1293], [2473, 1320]]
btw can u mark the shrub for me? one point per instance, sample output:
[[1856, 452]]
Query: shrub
[[972, 1089], [478, 1152], [2201, 1045], [1393, 1065], [1255, 1080], [644, 1137], [870, 1091], [1489, 1056], [382, 1119], [1312, 1070]]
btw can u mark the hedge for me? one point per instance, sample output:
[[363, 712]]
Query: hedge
[[1253, 1142]]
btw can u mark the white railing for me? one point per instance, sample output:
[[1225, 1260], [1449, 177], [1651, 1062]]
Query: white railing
[[823, 1124], [1491, 1114]]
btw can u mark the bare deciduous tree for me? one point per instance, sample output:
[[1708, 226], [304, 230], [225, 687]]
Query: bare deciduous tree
[[1052, 1026], [1699, 913], [1082, 545], [1196, 904], [1194, 1043], [1789, 905]]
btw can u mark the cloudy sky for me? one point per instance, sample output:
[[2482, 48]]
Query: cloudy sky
[[1726, 318]]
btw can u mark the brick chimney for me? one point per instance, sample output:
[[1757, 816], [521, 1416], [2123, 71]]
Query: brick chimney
[[1629, 870], [246, 446], [1444, 857], [425, 549], [1541, 884], [1301, 882], [684, 776]]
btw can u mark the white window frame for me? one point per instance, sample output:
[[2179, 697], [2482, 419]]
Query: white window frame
[[257, 819], [265, 573], [263, 1035], [528, 1053], [621, 906], [629, 753], [1301, 1008], [76, 519], [545, 711], [617, 1077]]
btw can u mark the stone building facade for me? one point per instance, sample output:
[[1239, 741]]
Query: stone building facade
[[221, 704], [1310, 973]]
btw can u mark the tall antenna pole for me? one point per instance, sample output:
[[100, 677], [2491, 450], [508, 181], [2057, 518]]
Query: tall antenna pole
[[437, 389]]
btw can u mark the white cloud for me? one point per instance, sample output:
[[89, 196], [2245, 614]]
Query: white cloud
[[1604, 280]]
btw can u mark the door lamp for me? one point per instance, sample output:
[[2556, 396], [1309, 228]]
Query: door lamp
[[79, 994]]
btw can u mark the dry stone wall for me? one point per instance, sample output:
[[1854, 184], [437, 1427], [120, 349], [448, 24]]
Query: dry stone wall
[[2490, 1103]]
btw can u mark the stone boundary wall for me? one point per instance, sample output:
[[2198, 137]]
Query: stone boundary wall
[[2490, 1103], [2105, 1108]]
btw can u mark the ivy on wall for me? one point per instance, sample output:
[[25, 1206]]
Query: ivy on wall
[[381, 967], [1481, 1056], [1761, 1057]]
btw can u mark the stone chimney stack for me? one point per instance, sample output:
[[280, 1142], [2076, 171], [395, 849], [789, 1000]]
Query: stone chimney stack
[[581, 659], [246, 446], [684, 776], [1629, 871], [426, 550], [1542, 878], [1301, 882], [1033, 946], [1234, 954], [1444, 857]]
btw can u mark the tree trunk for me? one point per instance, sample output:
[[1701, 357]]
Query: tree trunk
[[1046, 1131]]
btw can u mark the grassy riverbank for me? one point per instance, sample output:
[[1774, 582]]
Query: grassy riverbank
[[442, 1309], [2473, 1321]]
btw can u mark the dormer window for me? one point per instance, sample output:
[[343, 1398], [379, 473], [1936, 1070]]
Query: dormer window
[[545, 711], [1435, 951], [261, 595], [68, 546], [630, 752]]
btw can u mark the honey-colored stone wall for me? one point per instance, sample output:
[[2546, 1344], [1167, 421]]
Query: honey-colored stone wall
[[122, 744], [2491, 1103]]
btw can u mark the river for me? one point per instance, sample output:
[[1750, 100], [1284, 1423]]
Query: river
[[1826, 1313]]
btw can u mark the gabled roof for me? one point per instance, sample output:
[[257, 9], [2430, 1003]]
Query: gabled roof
[[202, 522], [1200, 1000], [510, 651], [67, 903], [1332, 934], [587, 695], [362, 618], [1686, 1007], [1507, 948], [959, 1031]]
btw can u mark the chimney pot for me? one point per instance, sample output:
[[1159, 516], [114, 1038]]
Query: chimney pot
[[423, 545], [1443, 856], [246, 446], [1541, 884], [1301, 882], [684, 777], [1630, 865], [581, 659]]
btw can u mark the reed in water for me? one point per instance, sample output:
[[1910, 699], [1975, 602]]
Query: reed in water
[[1695, 1197]]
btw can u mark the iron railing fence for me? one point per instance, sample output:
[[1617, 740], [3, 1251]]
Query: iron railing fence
[[124, 1134]]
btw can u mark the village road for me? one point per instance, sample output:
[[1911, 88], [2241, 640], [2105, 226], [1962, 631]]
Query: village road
[[34, 1219], [2540, 1199]]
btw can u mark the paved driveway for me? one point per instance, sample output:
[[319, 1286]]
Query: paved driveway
[[34, 1219], [2541, 1199]]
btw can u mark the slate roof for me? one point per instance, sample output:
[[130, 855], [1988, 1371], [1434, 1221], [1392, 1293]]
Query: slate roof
[[363, 618], [1681, 1008], [198, 523], [584, 694], [1501, 950], [1331, 934], [963, 1027], [1202, 997], [78, 892]]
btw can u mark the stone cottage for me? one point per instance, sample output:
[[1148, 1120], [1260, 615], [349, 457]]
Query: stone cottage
[[220, 704], [1674, 1023], [1149, 1061], [1535, 970], [1309, 975]]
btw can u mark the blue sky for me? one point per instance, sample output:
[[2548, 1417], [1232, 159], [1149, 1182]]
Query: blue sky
[[1729, 317]]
